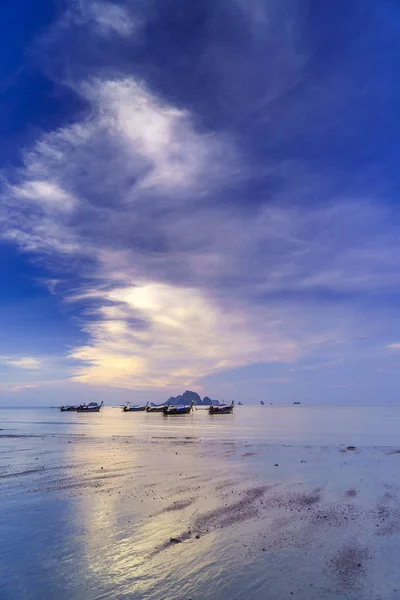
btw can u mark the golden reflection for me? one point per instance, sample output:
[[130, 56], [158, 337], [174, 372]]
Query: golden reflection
[[126, 487]]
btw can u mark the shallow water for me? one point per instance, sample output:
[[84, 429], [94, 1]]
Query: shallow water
[[109, 505]]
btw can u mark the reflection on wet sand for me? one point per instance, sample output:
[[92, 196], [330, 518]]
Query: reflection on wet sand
[[124, 530], [182, 514]]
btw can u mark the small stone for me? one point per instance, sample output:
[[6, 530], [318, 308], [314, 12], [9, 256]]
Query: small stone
[[276, 465], [174, 540], [197, 537]]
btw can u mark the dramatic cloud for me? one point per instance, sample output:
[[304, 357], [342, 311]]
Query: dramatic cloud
[[176, 280], [204, 230], [158, 335]]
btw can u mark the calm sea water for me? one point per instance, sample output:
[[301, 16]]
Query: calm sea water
[[372, 425], [265, 503]]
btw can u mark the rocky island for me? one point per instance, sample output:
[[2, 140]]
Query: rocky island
[[189, 397]]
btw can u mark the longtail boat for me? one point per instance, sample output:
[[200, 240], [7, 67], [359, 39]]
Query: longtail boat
[[155, 409], [68, 408], [177, 410], [91, 407], [136, 408], [222, 409]]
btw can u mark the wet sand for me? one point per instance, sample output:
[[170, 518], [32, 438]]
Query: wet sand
[[178, 517]]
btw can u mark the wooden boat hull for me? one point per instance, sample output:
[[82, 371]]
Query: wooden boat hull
[[69, 409], [221, 410], [89, 409], [176, 410], [155, 409], [134, 408]]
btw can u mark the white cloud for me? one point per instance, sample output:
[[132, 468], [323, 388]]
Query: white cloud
[[26, 362], [117, 166], [159, 335], [96, 18], [110, 18], [46, 194], [180, 281], [19, 388], [170, 154]]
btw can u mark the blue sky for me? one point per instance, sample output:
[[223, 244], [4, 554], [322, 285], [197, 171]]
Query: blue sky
[[199, 196]]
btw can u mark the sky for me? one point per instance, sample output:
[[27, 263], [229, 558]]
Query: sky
[[199, 195]]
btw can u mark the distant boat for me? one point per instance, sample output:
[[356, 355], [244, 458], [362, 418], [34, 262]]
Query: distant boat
[[222, 409], [91, 407], [262, 403], [136, 408], [296, 402], [69, 408], [155, 409], [240, 404], [177, 410]]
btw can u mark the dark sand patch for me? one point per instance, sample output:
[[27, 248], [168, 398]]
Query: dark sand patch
[[178, 505], [351, 493], [184, 442], [77, 488], [305, 499], [223, 485], [191, 477], [349, 565], [335, 515], [173, 541], [108, 476], [389, 496], [248, 454], [387, 516], [246, 508], [293, 501], [19, 436], [182, 490], [22, 473], [221, 517]]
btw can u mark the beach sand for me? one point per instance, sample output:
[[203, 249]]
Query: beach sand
[[179, 517]]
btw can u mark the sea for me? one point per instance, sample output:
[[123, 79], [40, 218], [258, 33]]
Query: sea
[[271, 502]]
